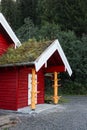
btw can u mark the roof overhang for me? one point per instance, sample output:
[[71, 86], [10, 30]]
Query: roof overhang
[[9, 31], [42, 59], [18, 64]]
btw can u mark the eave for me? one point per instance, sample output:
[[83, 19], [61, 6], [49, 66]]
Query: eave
[[18, 64]]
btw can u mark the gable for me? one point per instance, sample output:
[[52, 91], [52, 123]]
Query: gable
[[7, 31], [43, 58], [55, 60]]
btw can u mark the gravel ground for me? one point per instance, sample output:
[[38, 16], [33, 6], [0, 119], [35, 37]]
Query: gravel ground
[[69, 116]]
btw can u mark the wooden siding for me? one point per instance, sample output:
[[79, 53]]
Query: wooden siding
[[52, 69], [40, 87], [14, 87], [3, 44], [8, 89], [5, 41], [23, 87]]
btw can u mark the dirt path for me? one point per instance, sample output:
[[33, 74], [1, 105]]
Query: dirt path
[[68, 116]]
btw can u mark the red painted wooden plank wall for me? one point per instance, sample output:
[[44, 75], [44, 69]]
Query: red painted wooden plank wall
[[14, 87], [5, 40], [3, 44], [8, 89], [41, 87], [23, 87]]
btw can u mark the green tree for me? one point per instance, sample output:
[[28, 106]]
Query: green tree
[[18, 15], [75, 50], [73, 16], [28, 9], [8, 8], [69, 14], [27, 30]]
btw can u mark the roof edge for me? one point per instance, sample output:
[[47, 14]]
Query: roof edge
[[8, 29], [18, 64], [63, 57], [42, 59], [45, 56]]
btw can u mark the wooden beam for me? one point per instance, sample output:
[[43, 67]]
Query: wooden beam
[[55, 69], [55, 98], [33, 93]]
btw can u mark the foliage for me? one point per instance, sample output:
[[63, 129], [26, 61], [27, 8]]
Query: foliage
[[27, 31], [70, 15], [28, 9], [8, 8], [48, 31], [76, 50], [73, 88]]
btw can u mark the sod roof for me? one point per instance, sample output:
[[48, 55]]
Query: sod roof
[[27, 52], [34, 53]]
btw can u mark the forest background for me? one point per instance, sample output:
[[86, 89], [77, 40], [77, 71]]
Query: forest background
[[65, 20]]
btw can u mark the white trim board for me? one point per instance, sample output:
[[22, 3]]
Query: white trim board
[[9, 31], [42, 59]]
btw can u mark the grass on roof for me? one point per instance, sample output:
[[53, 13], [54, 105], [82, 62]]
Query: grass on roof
[[27, 52]]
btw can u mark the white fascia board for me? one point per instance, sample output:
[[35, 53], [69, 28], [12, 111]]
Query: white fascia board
[[42, 59], [64, 59], [8, 29]]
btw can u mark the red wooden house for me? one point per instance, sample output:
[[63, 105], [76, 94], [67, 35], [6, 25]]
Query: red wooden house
[[17, 89]]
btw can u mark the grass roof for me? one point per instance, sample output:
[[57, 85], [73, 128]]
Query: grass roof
[[27, 52]]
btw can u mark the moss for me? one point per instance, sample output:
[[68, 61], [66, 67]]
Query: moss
[[27, 52]]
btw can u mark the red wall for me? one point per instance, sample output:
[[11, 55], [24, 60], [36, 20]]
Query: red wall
[[3, 44], [14, 87], [41, 87], [8, 89], [23, 87], [5, 40]]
